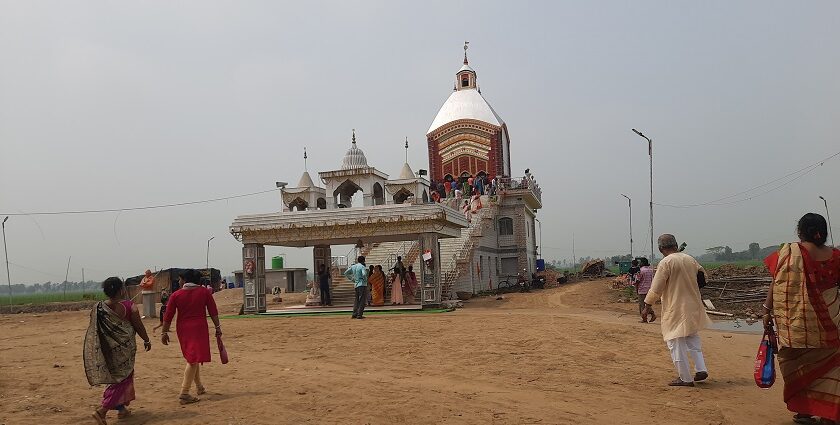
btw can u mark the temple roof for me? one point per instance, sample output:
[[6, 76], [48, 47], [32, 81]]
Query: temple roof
[[465, 104], [354, 158], [305, 180], [406, 172]]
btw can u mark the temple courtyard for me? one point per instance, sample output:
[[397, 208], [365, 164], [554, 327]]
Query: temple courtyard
[[559, 356]]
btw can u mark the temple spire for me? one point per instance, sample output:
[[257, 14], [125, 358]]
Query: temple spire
[[305, 168], [354, 137], [466, 46], [406, 149]]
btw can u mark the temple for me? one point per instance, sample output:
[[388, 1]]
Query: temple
[[457, 242], [467, 137]]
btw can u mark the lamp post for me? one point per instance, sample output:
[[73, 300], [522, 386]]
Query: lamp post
[[650, 153], [829, 220], [630, 205], [209, 275], [6, 251]]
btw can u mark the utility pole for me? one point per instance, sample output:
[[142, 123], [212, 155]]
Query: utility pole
[[828, 218], [650, 153], [66, 276], [574, 259], [630, 205], [6, 251], [209, 275], [83, 282]]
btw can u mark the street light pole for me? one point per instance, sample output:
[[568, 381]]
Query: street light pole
[[828, 217], [209, 275], [6, 251], [650, 153], [630, 205]]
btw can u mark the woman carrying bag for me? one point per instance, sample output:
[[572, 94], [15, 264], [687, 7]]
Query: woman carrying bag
[[804, 303]]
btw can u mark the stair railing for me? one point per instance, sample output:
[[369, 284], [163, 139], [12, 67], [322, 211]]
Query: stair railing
[[452, 271]]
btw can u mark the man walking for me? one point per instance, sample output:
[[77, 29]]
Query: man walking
[[358, 274], [324, 282], [643, 279], [683, 313]]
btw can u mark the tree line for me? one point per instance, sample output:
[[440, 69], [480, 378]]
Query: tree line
[[50, 287]]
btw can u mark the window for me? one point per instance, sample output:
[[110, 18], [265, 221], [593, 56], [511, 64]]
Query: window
[[465, 80], [509, 266], [506, 226]]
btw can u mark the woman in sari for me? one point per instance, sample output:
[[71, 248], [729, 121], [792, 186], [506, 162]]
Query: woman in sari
[[377, 286], [192, 303], [410, 285], [110, 348], [396, 288], [803, 302]]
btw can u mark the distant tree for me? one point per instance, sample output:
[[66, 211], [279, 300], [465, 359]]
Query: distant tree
[[755, 248], [717, 250]]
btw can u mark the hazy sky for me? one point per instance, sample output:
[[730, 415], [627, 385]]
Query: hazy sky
[[120, 104]]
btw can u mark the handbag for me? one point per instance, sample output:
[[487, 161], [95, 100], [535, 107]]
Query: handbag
[[765, 361], [222, 351]]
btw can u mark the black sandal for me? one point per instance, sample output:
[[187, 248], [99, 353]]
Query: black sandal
[[801, 418]]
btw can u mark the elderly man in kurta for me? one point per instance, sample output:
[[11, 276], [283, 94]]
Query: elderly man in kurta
[[683, 313]]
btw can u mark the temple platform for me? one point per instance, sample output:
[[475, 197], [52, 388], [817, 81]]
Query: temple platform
[[303, 310]]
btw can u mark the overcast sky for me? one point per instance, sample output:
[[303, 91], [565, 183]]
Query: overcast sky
[[121, 104]]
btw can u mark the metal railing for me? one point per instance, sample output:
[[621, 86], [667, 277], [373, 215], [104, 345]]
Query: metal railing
[[451, 271], [525, 183]]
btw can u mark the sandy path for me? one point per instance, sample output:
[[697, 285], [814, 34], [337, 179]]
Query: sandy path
[[549, 357]]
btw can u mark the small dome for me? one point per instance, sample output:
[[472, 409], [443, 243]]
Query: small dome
[[305, 180], [466, 68], [406, 172], [354, 158]]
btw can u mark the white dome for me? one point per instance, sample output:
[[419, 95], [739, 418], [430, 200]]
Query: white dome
[[465, 104], [354, 158], [466, 68]]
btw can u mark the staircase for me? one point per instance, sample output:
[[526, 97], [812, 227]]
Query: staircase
[[457, 253], [455, 256], [384, 254]]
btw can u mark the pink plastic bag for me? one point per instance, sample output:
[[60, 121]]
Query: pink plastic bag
[[222, 351]]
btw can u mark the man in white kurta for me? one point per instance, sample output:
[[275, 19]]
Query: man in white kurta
[[683, 312]]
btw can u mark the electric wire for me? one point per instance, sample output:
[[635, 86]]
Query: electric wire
[[147, 207], [796, 175]]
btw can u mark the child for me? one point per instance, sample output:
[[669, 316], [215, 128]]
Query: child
[[164, 297]]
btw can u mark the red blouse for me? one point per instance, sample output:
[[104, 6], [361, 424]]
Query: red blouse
[[822, 273]]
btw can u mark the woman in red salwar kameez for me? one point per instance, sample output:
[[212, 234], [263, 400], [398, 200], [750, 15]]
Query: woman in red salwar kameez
[[803, 302], [192, 303]]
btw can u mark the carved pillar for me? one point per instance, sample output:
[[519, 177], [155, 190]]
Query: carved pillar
[[321, 254], [430, 278], [253, 266]]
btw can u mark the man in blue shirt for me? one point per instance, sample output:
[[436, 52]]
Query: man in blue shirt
[[358, 274]]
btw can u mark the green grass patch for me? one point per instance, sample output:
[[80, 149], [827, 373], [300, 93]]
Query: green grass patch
[[51, 297]]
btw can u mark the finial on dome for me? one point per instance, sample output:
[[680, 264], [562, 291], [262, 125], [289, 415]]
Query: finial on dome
[[304, 159], [406, 149], [354, 136], [466, 46]]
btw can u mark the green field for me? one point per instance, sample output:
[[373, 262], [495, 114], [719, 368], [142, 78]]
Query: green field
[[43, 298], [711, 265]]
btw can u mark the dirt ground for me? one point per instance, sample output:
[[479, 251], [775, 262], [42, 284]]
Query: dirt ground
[[559, 356]]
